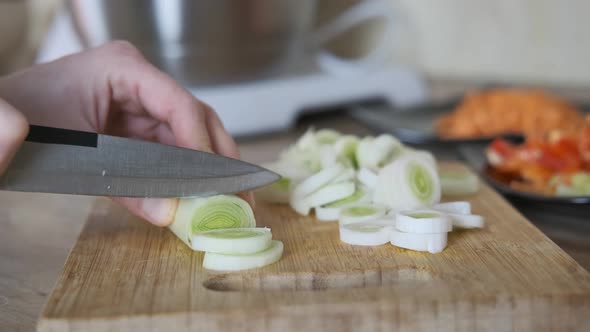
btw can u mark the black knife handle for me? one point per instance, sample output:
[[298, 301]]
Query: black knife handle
[[49, 135]]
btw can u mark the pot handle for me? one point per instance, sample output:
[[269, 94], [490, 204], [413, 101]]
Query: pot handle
[[378, 56]]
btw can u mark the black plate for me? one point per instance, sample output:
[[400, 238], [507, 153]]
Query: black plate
[[500, 183], [415, 125]]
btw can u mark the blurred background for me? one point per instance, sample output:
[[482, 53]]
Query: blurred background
[[534, 41], [284, 58]]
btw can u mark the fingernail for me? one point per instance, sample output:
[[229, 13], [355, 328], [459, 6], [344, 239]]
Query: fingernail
[[159, 211]]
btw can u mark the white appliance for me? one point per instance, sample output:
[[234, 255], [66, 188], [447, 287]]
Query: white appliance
[[273, 104]]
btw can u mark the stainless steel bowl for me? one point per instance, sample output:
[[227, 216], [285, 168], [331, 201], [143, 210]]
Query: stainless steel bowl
[[202, 41]]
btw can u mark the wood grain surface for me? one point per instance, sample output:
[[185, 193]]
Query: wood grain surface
[[125, 275]]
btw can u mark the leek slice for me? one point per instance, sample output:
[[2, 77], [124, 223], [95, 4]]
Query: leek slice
[[365, 234], [292, 171], [367, 177], [423, 222], [458, 182], [408, 183], [233, 240], [307, 140], [324, 213], [466, 220], [202, 214], [328, 156], [300, 205], [330, 193], [326, 136], [460, 207], [386, 220], [433, 243], [359, 196], [225, 262], [361, 212], [376, 152], [347, 175], [331, 211], [316, 181], [277, 192], [345, 148]]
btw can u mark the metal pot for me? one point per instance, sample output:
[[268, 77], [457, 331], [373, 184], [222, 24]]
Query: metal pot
[[202, 41]]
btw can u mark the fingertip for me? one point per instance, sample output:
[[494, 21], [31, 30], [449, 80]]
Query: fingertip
[[157, 211]]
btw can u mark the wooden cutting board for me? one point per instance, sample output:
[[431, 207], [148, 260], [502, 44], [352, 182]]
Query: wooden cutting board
[[125, 275]]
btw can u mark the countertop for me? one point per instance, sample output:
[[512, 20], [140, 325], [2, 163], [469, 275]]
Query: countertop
[[32, 251]]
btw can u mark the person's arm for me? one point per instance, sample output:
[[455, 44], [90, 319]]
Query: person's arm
[[114, 90]]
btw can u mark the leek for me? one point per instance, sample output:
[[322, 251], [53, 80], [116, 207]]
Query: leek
[[233, 240], [203, 214], [408, 183], [365, 234], [361, 212], [458, 182], [423, 222], [433, 243], [225, 262]]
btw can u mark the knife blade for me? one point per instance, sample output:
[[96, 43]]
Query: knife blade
[[55, 160]]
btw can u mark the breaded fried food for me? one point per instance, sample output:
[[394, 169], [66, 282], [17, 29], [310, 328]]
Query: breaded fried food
[[509, 111]]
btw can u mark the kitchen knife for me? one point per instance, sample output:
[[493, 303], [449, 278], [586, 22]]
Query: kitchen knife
[[66, 161]]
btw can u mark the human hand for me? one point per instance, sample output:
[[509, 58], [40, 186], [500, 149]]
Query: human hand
[[114, 90], [13, 130]]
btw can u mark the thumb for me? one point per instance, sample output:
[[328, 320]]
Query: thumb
[[13, 131]]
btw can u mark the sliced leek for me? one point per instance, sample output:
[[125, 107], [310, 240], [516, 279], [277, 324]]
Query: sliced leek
[[466, 220], [359, 196], [316, 181], [326, 136], [346, 147], [376, 152], [330, 193], [423, 222], [460, 207], [347, 175], [386, 220], [203, 214], [364, 153], [225, 262], [408, 183], [458, 182], [292, 171], [367, 177], [433, 243], [324, 213], [300, 205], [277, 192], [233, 240], [365, 234], [374, 180], [361, 212], [331, 211]]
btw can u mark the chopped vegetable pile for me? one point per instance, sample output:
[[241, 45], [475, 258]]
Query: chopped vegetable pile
[[553, 164], [376, 188], [379, 190]]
